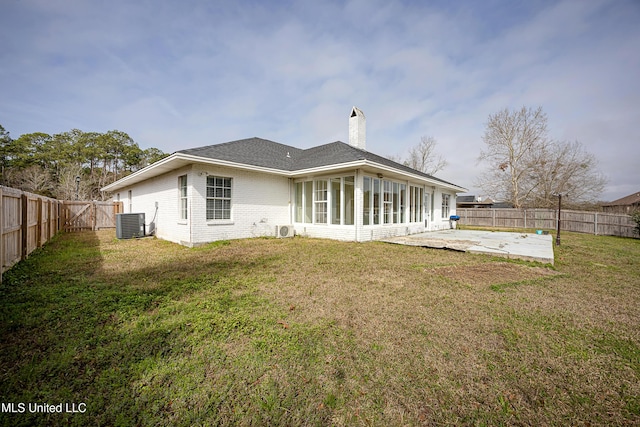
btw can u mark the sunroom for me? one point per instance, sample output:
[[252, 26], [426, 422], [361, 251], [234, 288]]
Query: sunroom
[[366, 206]]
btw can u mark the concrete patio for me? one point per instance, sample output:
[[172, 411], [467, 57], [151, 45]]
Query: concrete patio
[[525, 246]]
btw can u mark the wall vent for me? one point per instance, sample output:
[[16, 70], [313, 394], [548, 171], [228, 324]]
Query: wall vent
[[130, 225]]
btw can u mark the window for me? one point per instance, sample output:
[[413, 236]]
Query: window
[[321, 200], [366, 203], [130, 200], [182, 196], [445, 205], [218, 198], [396, 202], [349, 200], [377, 188], [325, 201], [299, 202], [388, 201], [403, 202], [336, 202], [415, 204], [308, 202], [304, 202]]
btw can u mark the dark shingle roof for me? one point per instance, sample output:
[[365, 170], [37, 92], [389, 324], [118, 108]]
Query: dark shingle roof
[[251, 151], [264, 153]]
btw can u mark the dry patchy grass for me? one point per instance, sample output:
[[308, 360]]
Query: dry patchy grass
[[316, 332]]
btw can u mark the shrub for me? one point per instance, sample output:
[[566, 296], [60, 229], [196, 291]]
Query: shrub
[[636, 219]]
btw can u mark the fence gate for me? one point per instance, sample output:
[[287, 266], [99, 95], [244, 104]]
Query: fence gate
[[81, 216]]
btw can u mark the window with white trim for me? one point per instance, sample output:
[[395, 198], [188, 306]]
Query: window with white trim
[[182, 196], [366, 201], [446, 198], [349, 200], [415, 203], [218, 198], [387, 202], [325, 201], [321, 201], [336, 200]]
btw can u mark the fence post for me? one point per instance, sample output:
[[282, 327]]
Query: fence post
[[524, 212], [94, 215], [595, 224], [493, 217], [59, 208], [24, 227], [39, 226]]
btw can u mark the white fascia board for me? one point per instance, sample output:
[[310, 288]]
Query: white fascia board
[[177, 160], [366, 163], [430, 181], [158, 168], [327, 169]]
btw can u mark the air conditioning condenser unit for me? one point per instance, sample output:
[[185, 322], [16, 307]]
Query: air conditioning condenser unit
[[130, 225], [284, 231]]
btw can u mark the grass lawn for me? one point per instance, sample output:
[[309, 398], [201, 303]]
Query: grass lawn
[[317, 332]]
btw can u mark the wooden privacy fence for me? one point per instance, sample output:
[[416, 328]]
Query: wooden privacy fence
[[28, 221], [601, 223], [83, 216]]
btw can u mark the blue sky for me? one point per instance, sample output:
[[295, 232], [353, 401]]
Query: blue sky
[[176, 75]]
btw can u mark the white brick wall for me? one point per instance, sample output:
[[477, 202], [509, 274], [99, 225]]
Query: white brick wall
[[260, 202], [164, 191]]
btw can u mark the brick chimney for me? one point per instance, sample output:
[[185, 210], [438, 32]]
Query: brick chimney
[[357, 129]]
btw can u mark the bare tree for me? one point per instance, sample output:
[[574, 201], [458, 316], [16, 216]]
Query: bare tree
[[512, 139], [526, 168], [68, 187], [423, 157], [567, 168], [33, 179]]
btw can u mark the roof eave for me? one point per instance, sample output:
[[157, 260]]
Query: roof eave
[[431, 181], [374, 165], [177, 160]]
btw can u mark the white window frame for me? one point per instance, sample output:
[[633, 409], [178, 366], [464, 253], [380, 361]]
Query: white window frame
[[321, 201], [219, 193], [183, 201], [446, 205]]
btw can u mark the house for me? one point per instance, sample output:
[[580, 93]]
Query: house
[[627, 205], [251, 187], [464, 202]]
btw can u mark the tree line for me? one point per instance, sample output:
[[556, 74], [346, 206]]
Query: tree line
[[70, 165]]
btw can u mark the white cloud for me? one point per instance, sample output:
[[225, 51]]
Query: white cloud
[[172, 74]]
